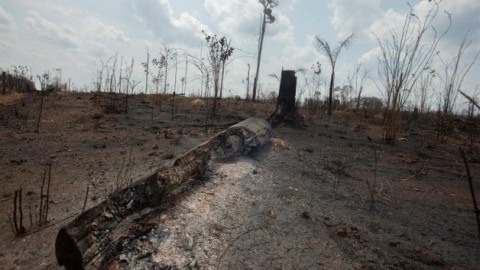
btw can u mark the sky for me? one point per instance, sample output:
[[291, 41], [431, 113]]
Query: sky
[[75, 36]]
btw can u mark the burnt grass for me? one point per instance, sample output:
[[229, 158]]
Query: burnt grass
[[303, 202]]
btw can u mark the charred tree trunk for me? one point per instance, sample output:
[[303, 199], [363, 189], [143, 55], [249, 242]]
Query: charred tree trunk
[[4, 82], [92, 239], [286, 108]]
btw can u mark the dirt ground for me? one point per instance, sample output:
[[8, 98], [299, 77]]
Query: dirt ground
[[303, 202]]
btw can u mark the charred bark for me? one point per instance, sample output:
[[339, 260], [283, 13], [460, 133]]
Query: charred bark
[[92, 239], [286, 108]]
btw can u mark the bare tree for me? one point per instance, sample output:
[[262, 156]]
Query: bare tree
[[357, 79], [267, 17], [322, 46], [166, 55], [404, 56], [157, 79], [198, 62], [454, 73], [219, 52], [422, 88], [129, 85], [112, 76], [146, 69], [452, 79], [248, 83]]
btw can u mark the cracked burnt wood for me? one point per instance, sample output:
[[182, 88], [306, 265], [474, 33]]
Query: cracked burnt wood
[[92, 239], [286, 109]]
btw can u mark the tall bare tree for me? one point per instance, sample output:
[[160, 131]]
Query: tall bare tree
[[322, 46], [219, 52], [267, 17], [452, 77], [146, 67], [405, 55], [422, 88], [357, 79], [166, 55]]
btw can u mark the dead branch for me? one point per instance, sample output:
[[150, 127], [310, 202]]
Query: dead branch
[[470, 182]]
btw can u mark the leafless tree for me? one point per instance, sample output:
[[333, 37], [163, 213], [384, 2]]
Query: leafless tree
[[166, 55], [404, 56], [332, 53], [219, 52], [157, 79], [146, 69], [357, 79], [204, 72], [454, 74], [423, 87], [129, 84], [267, 17]]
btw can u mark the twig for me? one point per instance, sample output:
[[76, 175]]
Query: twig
[[40, 216], [469, 176], [86, 198], [48, 191], [470, 99], [15, 212], [22, 230], [40, 114], [371, 188], [51, 224]]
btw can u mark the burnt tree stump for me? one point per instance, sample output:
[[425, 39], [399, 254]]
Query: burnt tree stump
[[4, 82], [286, 108], [92, 239]]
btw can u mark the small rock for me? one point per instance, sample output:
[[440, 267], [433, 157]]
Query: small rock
[[357, 266], [183, 131], [193, 264], [327, 222], [271, 214], [97, 116], [308, 150], [187, 242], [342, 232], [155, 147], [152, 154], [168, 156], [129, 204], [394, 243], [168, 135], [305, 215], [123, 257]]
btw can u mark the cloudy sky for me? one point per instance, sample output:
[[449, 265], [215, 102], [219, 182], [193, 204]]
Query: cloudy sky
[[72, 35]]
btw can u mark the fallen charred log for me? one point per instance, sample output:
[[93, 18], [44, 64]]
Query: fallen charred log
[[90, 241]]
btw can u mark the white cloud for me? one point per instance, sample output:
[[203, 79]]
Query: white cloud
[[5, 46], [354, 16], [239, 17], [96, 28], [6, 20], [465, 17], [159, 17], [49, 31], [240, 20]]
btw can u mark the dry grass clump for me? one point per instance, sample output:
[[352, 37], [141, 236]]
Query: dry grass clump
[[278, 142], [11, 98]]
